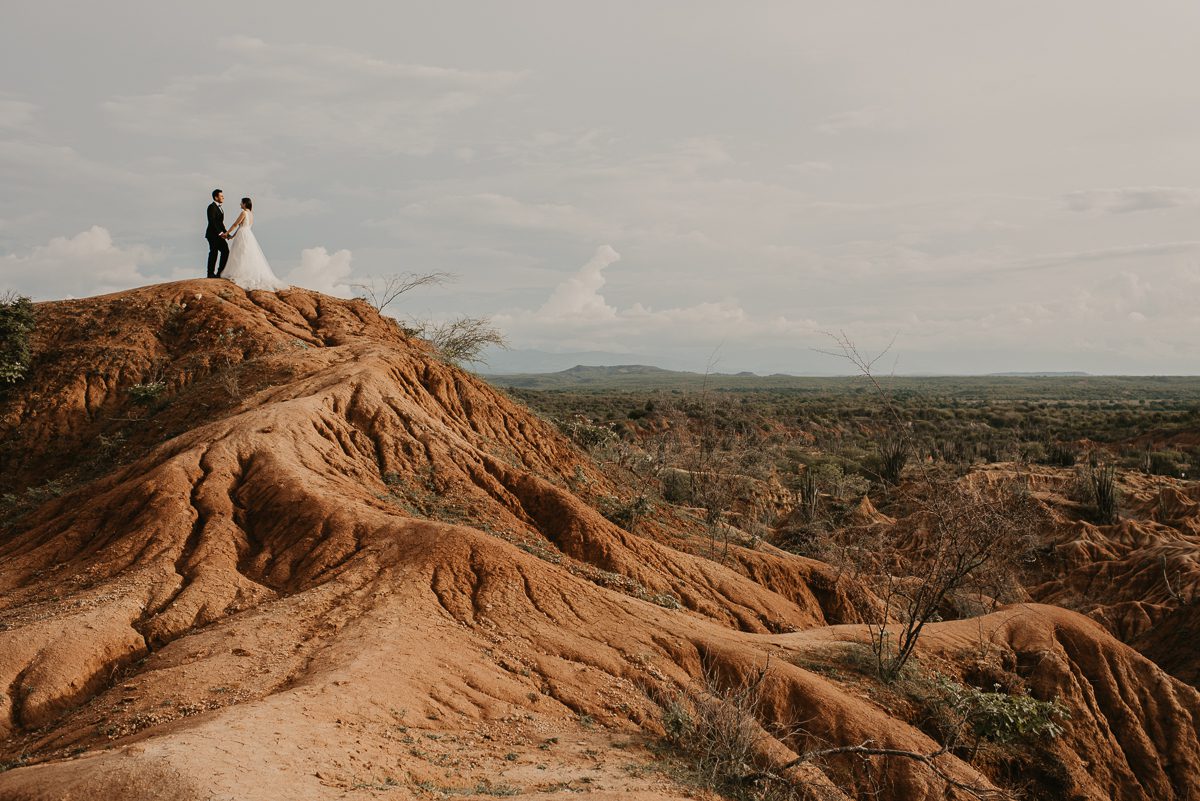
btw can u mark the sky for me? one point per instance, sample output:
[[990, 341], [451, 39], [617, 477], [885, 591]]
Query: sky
[[987, 186]]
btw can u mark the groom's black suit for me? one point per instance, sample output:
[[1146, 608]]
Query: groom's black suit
[[216, 245]]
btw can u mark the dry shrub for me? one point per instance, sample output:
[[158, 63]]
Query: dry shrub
[[462, 340], [715, 726]]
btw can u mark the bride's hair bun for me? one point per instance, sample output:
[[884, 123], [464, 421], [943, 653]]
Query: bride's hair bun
[[248, 203]]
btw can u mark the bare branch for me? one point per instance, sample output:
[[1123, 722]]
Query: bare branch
[[866, 750], [383, 291]]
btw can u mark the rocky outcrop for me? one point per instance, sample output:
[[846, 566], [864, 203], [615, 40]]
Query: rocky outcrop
[[317, 560]]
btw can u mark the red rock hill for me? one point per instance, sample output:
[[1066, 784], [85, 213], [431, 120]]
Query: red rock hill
[[265, 546]]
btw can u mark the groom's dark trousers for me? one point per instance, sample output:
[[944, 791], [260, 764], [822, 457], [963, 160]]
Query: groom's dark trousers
[[216, 245]]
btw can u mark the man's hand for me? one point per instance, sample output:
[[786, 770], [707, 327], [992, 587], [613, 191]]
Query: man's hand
[[223, 235]]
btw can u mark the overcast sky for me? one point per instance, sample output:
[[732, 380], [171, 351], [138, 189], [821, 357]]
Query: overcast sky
[[999, 186]]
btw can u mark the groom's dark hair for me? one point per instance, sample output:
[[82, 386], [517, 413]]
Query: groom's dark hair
[[248, 203], [215, 193]]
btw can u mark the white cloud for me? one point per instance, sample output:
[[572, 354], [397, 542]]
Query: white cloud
[[15, 113], [489, 208], [579, 296], [689, 157], [341, 59], [1131, 198], [869, 118], [576, 316], [310, 93], [1148, 249], [63, 165], [322, 271], [85, 264], [810, 167], [277, 207]]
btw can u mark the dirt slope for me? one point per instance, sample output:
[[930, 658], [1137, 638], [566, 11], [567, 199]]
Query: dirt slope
[[1139, 577], [264, 546]]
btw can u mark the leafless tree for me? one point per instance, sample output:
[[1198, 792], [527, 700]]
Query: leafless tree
[[382, 291], [712, 486], [967, 539]]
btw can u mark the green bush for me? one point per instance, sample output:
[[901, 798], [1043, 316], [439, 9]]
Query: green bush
[[148, 393], [677, 486], [1104, 493], [626, 514], [16, 325], [1059, 454], [998, 717], [586, 435], [1165, 463], [892, 452]]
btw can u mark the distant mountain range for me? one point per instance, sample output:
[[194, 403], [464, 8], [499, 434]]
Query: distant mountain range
[[629, 376], [648, 377]]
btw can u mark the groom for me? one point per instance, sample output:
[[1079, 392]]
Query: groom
[[216, 235]]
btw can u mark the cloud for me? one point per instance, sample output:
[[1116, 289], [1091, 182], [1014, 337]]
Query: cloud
[[85, 264], [870, 118], [689, 157], [278, 207], [1130, 199], [322, 271], [312, 94], [1108, 254], [810, 167], [61, 164], [576, 316], [15, 113], [336, 58], [493, 209], [579, 296]]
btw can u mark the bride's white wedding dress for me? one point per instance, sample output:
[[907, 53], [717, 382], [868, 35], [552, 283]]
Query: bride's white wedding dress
[[248, 266]]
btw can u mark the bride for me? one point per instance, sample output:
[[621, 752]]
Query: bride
[[248, 266]]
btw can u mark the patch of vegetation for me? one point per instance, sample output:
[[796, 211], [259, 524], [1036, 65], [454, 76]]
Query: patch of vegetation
[[1096, 487], [541, 552], [173, 318], [489, 788], [16, 326], [1006, 724], [892, 452], [1166, 463], [148, 393], [627, 514], [9, 764], [463, 340], [956, 420], [15, 505], [980, 716], [715, 729], [387, 783], [585, 435], [665, 600]]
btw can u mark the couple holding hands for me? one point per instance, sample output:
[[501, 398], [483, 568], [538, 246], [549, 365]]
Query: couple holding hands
[[241, 259]]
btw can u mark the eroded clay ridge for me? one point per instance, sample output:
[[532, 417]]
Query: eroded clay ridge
[[266, 546]]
